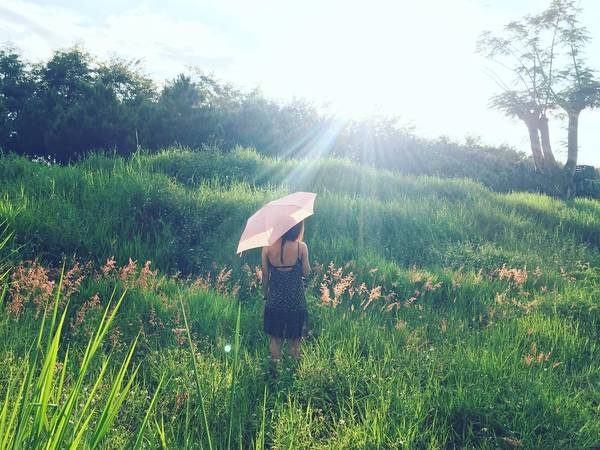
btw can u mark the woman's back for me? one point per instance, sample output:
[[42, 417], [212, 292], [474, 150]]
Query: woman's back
[[284, 256], [286, 289]]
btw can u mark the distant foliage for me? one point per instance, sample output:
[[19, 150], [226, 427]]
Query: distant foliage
[[72, 104]]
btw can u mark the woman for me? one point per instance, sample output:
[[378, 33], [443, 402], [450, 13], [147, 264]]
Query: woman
[[285, 317]]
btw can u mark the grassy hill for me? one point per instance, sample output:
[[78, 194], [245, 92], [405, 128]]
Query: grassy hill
[[442, 315]]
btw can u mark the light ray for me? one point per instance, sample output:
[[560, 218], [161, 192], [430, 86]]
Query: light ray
[[317, 147]]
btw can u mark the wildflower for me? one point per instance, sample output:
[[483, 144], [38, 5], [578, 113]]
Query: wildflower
[[410, 301], [29, 281], [258, 273], [517, 276], [400, 325], [325, 297], [429, 286], [544, 357], [92, 303], [114, 336], [221, 281], [72, 280], [180, 398], [374, 294], [235, 289], [362, 288], [109, 266], [392, 306], [414, 276], [456, 284], [202, 283], [340, 287], [334, 273], [513, 442], [154, 320], [146, 274], [179, 335], [126, 272], [566, 276]]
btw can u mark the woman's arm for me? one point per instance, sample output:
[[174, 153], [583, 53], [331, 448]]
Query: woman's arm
[[305, 263], [265, 272]]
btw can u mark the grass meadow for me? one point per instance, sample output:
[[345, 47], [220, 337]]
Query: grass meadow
[[442, 315]]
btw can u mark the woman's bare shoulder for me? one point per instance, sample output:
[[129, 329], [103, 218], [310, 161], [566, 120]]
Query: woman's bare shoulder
[[303, 246]]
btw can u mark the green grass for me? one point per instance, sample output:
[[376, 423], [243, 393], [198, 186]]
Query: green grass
[[456, 352]]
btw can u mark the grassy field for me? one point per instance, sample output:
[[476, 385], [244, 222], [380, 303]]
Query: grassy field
[[442, 315]]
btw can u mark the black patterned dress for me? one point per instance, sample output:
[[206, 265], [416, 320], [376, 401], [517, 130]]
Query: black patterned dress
[[285, 310]]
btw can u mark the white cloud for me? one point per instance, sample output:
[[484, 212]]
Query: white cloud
[[167, 45]]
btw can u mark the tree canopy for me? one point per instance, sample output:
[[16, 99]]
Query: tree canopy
[[73, 103], [545, 56]]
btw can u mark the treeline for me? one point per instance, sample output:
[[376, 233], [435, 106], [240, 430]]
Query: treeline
[[74, 103]]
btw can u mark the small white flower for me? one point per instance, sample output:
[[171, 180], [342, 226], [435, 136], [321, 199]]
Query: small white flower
[[227, 348]]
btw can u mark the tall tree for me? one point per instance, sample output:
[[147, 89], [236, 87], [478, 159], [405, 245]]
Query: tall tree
[[546, 57], [526, 52], [15, 91], [577, 87]]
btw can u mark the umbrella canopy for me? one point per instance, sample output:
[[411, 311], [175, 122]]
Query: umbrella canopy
[[275, 218]]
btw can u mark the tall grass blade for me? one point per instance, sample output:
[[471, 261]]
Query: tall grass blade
[[160, 430], [115, 398], [4, 412], [260, 442], [138, 441], [198, 385], [60, 427], [236, 347]]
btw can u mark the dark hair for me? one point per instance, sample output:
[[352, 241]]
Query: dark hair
[[293, 234]]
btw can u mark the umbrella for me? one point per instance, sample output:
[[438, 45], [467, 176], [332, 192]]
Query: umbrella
[[275, 218]]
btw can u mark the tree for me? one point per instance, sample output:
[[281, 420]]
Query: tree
[[16, 91], [529, 55], [577, 87], [133, 96], [180, 108], [550, 74]]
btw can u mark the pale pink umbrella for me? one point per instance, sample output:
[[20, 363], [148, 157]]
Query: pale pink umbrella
[[275, 218]]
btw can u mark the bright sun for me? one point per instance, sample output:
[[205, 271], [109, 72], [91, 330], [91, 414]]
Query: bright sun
[[377, 57]]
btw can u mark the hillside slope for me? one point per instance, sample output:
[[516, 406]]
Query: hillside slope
[[184, 210]]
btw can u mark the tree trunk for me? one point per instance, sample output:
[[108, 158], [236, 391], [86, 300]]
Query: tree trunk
[[572, 143], [549, 160], [536, 149]]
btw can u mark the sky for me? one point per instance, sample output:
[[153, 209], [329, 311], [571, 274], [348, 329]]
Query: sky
[[414, 59]]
